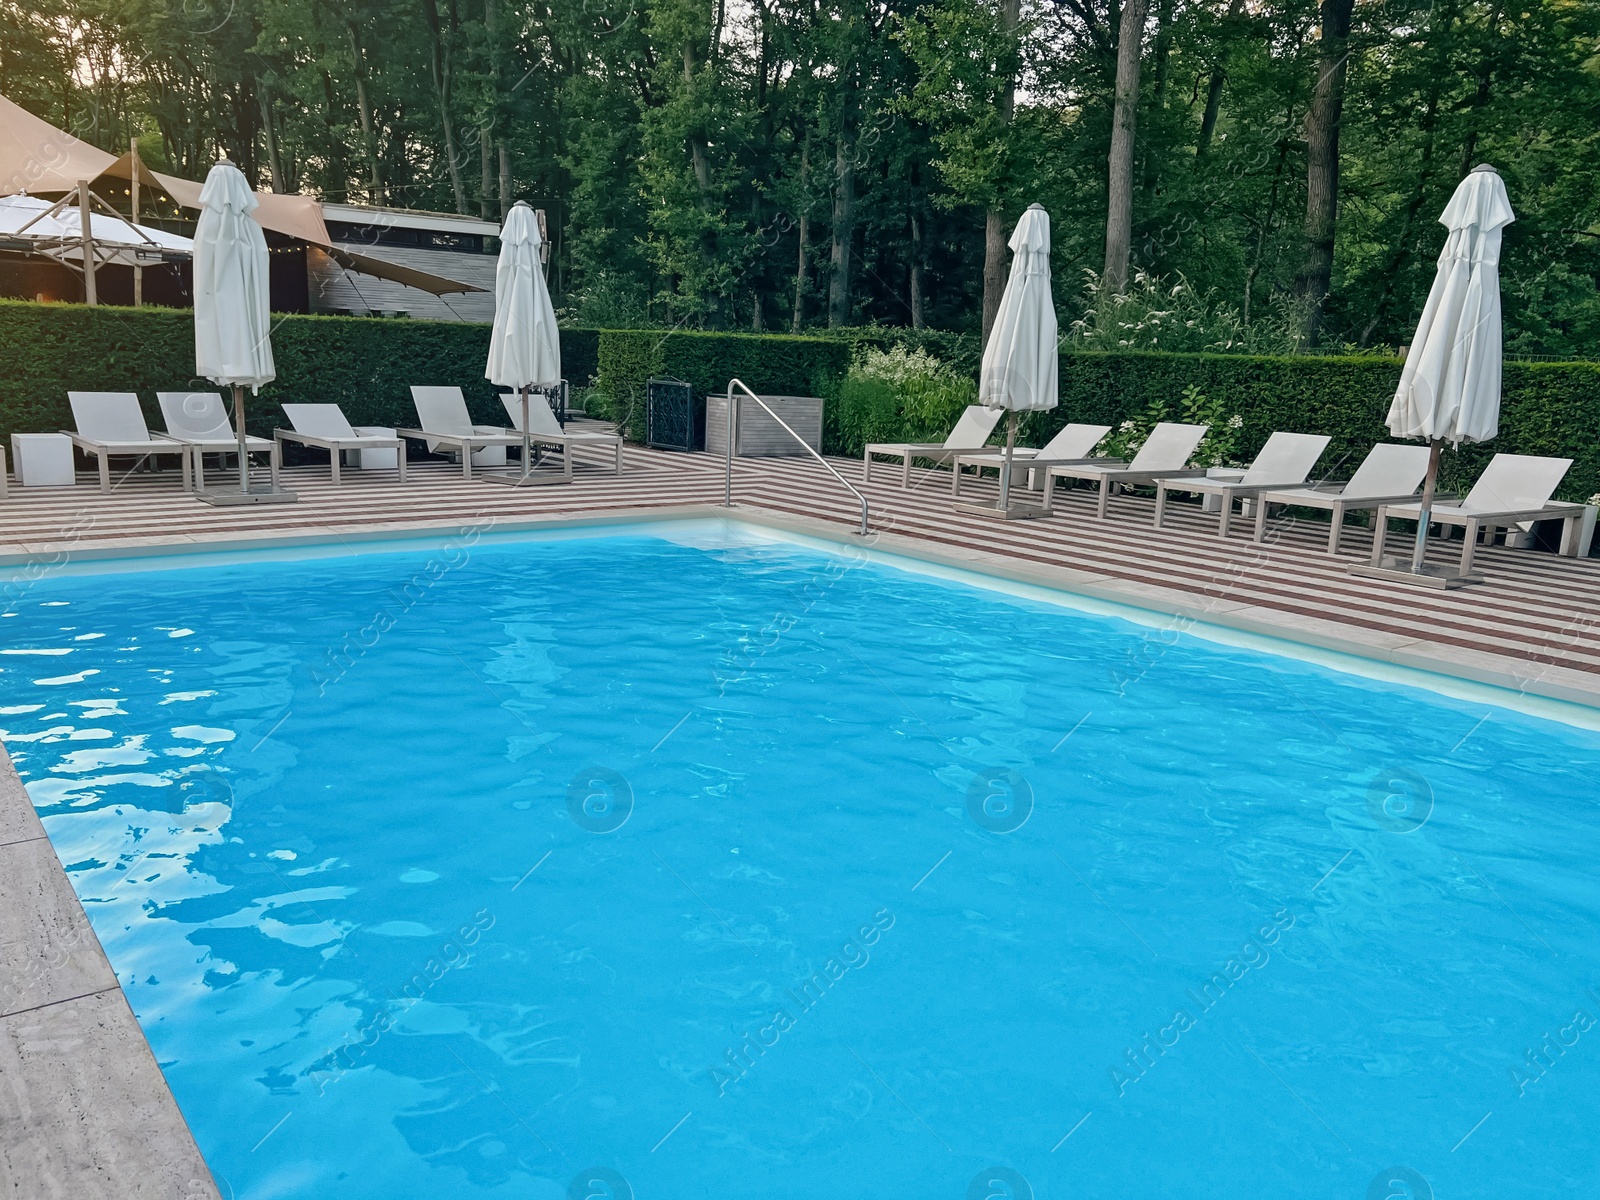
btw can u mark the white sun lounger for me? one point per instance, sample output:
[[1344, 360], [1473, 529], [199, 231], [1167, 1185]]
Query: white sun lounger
[[442, 413], [200, 421], [970, 433], [545, 430], [1514, 489], [326, 427], [1165, 453], [1390, 474], [1284, 461], [112, 423], [1073, 444]]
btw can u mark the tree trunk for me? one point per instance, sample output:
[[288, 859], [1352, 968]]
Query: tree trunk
[[1322, 164], [994, 268], [1119, 190], [844, 229], [919, 318], [1219, 77], [274, 163], [994, 233], [338, 167], [369, 138], [440, 71], [485, 174], [805, 236], [505, 179], [700, 162]]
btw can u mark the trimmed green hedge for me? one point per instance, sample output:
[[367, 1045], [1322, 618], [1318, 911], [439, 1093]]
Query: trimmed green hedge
[[772, 365], [366, 366], [1546, 408]]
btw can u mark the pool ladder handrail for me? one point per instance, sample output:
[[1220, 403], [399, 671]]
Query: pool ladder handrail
[[727, 486]]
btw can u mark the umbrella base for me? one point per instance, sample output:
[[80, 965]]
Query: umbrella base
[[527, 480], [1398, 570], [228, 496], [1012, 512]]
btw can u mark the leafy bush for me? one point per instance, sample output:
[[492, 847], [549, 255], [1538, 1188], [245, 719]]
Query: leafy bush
[[1154, 314]]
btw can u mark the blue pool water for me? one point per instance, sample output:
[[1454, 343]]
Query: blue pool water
[[719, 868]]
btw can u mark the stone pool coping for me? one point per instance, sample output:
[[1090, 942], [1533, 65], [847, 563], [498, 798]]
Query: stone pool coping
[[85, 1112], [88, 1112]]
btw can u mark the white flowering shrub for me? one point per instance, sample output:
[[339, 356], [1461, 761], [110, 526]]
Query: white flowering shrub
[[925, 390]]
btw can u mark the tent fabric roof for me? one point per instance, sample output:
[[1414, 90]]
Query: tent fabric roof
[[35, 156]]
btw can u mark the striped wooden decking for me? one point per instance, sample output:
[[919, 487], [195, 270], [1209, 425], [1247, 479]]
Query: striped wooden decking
[[1538, 614]]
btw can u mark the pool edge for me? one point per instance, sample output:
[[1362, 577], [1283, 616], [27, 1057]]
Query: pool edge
[[100, 1118]]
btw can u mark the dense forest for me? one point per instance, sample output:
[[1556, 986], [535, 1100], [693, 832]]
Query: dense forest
[[1247, 174]]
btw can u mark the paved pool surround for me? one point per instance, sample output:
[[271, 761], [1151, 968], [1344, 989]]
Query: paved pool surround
[[85, 1112]]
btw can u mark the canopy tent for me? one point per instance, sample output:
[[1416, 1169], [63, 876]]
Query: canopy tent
[[60, 233], [39, 159]]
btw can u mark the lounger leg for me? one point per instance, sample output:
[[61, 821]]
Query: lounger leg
[[1380, 535], [466, 460], [905, 474], [1161, 502], [400, 460], [1570, 535], [566, 462], [619, 459], [866, 466], [105, 472], [1337, 530], [1261, 520], [1105, 494], [1469, 545], [1226, 519], [955, 478], [276, 465], [336, 458], [1049, 490]]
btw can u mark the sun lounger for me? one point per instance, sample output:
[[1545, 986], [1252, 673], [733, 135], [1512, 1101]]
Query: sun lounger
[[545, 430], [112, 423], [1165, 453], [200, 421], [1390, 474], [970, 433], [1513, 489], [326, 427], [442, 413], [1284, 461], [1073, 444]]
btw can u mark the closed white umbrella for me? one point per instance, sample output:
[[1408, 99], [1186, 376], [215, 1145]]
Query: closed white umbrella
[[1450, 388], [1022, 360], [232, 318], [525, 346]]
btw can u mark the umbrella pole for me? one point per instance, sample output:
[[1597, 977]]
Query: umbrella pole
[[1425, 510], [1005, 470], [527, 442], [238, 424]]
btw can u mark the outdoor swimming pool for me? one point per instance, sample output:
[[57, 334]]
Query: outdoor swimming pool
[[716, 866]]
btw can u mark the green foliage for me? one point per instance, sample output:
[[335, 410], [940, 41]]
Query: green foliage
[[1155, 314], [365, 366]]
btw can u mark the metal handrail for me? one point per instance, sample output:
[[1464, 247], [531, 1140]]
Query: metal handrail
[[727, 487]]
